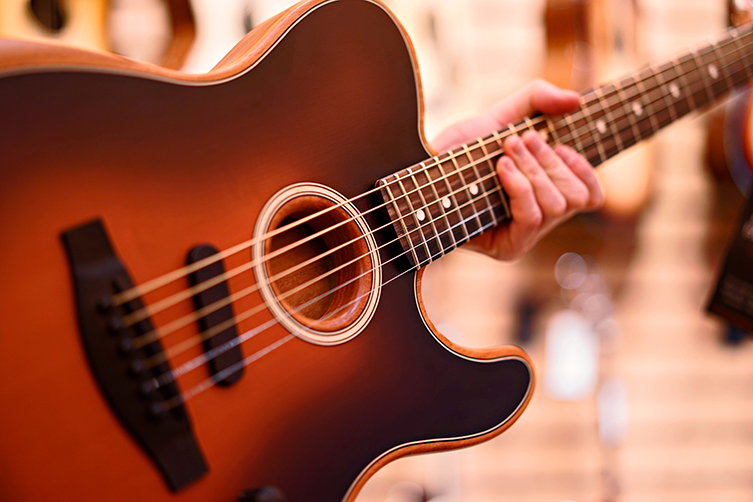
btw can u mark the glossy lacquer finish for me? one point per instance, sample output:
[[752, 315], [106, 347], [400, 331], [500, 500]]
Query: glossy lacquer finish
[[168, 164]]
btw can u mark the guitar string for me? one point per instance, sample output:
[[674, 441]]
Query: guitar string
[[429, 258], [148, 286], [188, 343], [170, 376], [621, 105], [165, 303], [268, 349], [144, 312], [168, 404], [187, 319], [125, 296], [141, 314], [217, 329]]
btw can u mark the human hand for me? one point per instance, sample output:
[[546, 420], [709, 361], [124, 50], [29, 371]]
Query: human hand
[[545, 186]]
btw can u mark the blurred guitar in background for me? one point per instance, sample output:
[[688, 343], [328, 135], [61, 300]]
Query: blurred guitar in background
[[105, 25]]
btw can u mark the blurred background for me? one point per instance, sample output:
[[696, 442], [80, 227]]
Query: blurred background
[[641, 395]]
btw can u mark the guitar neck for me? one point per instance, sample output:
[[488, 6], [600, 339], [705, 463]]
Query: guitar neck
[[443, 202]]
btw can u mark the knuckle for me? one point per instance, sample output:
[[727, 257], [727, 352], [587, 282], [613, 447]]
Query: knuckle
[[538, 83], [513, 253], [580, 198], [526, 192], [558, 207], [597, 200], [516, 254], [535, 219]]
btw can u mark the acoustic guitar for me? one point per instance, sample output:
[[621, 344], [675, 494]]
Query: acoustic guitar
[[211, 284]]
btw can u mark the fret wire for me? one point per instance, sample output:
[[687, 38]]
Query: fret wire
[[415, 217], [496, 180], [681, 75], [741, 50], [597, 140], [463, 205], [629, 116], [745, 57], [440, 205], [612, 119], [714, 68], [740, 70], [738, 58], [596, 118], [400, 217], [674, 63], [671, 67], [569, 123], [650, 114], [670, 106], [694, 60], [476, 184], [661, 81], [475, 233], [552, 131], [685, 91], [682, 78], [472, 162], [747, 63], [428, 211], [715, 50], [690, 83], [498, 140], [699, 64], [617, 139], [458, 173], [451, 193]]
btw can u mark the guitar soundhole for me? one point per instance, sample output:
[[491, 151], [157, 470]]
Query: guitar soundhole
[[320, 270], [49, 14]]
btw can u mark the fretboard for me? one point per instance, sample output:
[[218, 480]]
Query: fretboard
[[445, 201]]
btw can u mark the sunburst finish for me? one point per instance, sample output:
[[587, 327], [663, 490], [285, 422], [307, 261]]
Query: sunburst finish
[[326, 93]]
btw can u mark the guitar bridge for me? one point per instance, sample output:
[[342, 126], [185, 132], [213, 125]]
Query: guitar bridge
[[167, 437]]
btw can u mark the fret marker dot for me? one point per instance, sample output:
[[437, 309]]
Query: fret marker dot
[[474, 189], [637, 108], [713, 71], [601, 126], [674, 90], [446, 203], [420, 215]]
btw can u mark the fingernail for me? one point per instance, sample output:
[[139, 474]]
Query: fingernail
[[507, 164], [565, 153], [535, 143], [516, 144]]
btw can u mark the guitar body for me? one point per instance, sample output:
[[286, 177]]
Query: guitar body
[[326, 93]]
